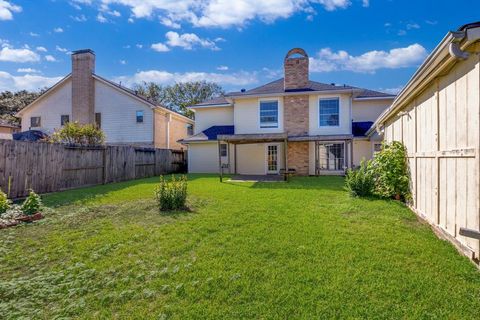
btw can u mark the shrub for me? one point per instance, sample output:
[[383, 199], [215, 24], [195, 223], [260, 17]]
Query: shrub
[[360, 182], [171, 194], [4, 202], [32, 204], [75, 133], [391, 171]]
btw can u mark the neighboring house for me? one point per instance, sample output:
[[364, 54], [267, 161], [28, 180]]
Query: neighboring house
[[437, 117], [124, 116], [315, 128], [7, 129]]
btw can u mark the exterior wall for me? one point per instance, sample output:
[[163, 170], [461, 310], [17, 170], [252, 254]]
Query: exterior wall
[[203, 158], [362, 150], [296, 115], [298, 157], [368, 110], [50, 108], [440, 129], [9, 130], [247, 116], [207, 117], [252, 158], [296, 70], [345, 118], [118, 112]]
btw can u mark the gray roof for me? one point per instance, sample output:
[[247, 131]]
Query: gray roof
[[277, 86]]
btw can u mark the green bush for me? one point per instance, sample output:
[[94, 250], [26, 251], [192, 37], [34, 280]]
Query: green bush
[[171, 194], [360, 182], [32, 204], [75, 133], [4, 202], [392, 176]]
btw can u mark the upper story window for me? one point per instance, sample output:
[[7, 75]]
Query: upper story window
[[64, 119], [269, 114], [139, 115], [35, 122], [329, 112]]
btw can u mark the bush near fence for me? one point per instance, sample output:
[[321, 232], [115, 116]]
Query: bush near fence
[[50, 167]]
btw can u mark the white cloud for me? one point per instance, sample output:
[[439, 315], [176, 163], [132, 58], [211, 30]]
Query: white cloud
[[431, 22], [165, 77], [33, 34], [222, 13], [401, 32], [222, 68], [25, 82], [392, 90], [41, 49], [123, 62], [50, 58], [368, 62], [160, 47], [58, 48], [9, 54], [188, 41], [139, 46], [79, 18], [411, 26], [27, 70], [58, 30], [366, 3], [7, 8], [101, 18]]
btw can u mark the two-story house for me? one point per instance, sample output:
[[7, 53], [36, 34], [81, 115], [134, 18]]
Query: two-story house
[[311, 127], [123, 115]]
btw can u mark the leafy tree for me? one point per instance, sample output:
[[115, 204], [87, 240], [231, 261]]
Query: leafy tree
[[180, 95], [75, 133], [12, 102]]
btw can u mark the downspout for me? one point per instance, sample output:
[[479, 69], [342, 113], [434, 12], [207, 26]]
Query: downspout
[[454, 47]]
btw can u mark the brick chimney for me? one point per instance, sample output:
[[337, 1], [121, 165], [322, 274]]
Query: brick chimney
[[296, 70], [83, 86]]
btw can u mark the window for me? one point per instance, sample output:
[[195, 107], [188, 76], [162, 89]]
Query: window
[[189, 129], [330, 156], [98, 119], [268, 114], [223, 150], [35, 122], [64, 118], [139, 115], [329, 111]]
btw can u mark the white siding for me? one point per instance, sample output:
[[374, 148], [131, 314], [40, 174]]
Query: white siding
[[203, 158], [118, 116], [207, 117], [345, 117], [247, 116], [368, 110], [50, 108]]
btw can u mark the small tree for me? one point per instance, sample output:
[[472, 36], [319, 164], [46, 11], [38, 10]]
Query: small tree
[[360, 182], [75, 133], [32, 204], [391, 171], [171, 195]]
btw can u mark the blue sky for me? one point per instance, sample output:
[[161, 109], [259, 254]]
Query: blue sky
[[238, 43]]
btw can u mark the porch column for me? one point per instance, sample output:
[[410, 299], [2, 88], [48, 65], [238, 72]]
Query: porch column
[[351, 153], [219, 161], [285, 155], [228, 154], [235, 157]]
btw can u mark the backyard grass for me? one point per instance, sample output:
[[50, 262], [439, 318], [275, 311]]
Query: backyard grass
[[303, 249]]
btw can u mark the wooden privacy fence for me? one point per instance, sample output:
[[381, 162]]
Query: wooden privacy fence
[[47, 167]]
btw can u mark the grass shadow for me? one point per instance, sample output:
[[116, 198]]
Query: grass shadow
[[334, 183]]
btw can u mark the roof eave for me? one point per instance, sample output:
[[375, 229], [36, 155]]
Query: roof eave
[[297, 93]]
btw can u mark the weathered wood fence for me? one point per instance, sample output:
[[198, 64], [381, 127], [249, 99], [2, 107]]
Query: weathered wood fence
[[47, 167]]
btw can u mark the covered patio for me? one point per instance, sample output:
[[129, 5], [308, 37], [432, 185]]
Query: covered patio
[[238, 139]]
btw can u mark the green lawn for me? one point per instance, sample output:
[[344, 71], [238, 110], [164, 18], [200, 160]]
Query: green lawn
[[303, 249]]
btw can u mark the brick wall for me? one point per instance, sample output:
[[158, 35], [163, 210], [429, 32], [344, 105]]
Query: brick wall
[[298, 157], [83, 86], [296, 70], [296, 115]]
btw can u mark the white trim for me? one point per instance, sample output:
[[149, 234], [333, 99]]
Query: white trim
[[266, 158], [318, 106], [374, 98], [220, 105], [259, 124]]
